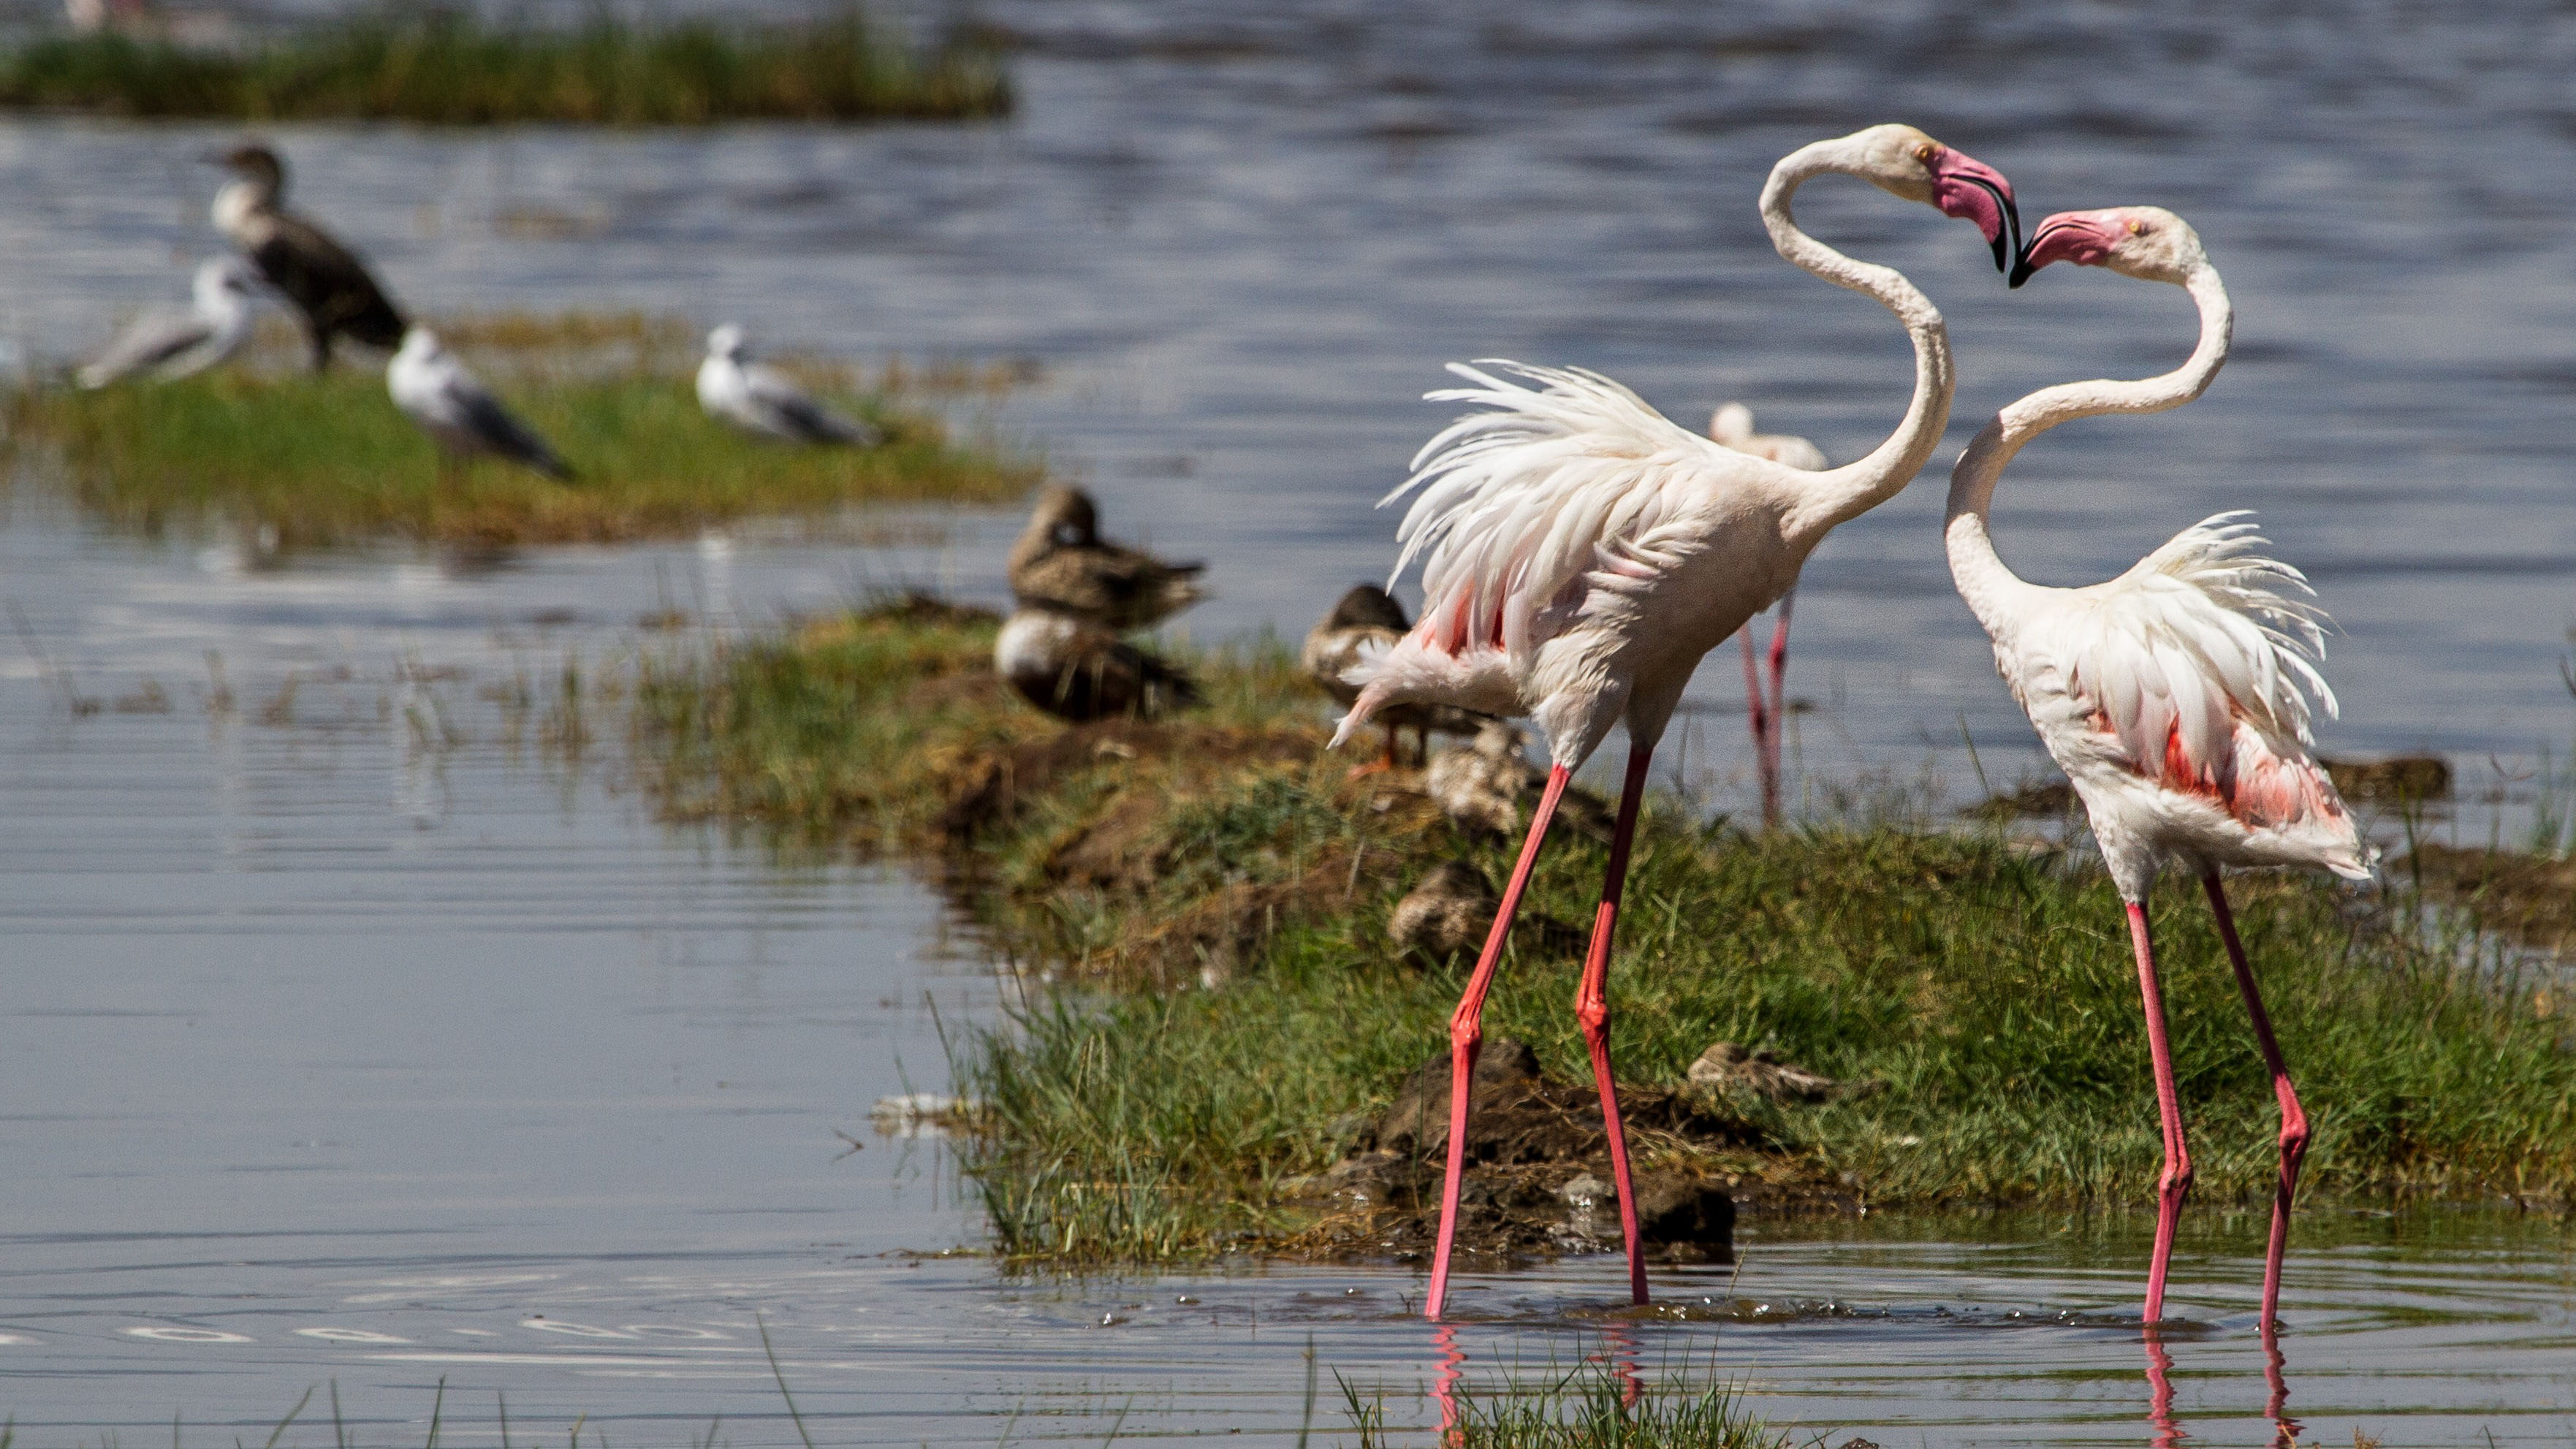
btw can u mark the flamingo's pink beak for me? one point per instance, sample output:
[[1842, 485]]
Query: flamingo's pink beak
[[2082, 237], [1965, 187]]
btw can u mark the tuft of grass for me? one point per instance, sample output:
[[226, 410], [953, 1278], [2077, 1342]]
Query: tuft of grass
[[305, 460], [447, 65], [1599, 1405], [1987, 988]]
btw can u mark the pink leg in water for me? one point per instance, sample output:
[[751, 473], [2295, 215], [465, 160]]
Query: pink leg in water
[[1592, 1008], [1466, 1032], [1779, 720], [2294, 1122], [2175, 1184], [2168, 1434]]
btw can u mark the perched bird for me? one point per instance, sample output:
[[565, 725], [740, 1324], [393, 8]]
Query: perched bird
[[763, 401], [330, 287], [1486, 788], [178, 344], [1732, 426], [1369, 620], [1448, 911], [1060, 563], [458, 412], [1584, 552], [1076, 670], [2176, 696]]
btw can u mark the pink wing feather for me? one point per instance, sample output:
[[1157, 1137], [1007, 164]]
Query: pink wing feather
[[2200, 663]]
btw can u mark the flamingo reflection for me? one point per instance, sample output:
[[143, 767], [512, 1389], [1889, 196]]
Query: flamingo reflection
[[2169, 1435]]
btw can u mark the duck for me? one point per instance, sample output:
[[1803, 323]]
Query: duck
[[333, 292], [1079, 671], [762, 401], [1366, 621], [1484, 787], [1061, 564], [1449, 910]]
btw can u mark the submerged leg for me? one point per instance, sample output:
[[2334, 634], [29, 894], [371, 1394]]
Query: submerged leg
[[2294, 1122], [2175, 1184], [1592, 1008], [1466, 1032]]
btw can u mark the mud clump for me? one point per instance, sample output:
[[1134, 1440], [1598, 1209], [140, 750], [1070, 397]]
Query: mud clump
[[1538, 1169]]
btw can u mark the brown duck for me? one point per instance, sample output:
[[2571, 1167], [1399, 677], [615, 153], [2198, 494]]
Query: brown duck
[[1061, 564], [1076, 670], [1366, 620]]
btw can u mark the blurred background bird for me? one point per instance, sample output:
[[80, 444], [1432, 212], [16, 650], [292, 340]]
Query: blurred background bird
[[762, 401], [1060, 562], [458, 412], [1368, 619], [332, 290], [176, 344]]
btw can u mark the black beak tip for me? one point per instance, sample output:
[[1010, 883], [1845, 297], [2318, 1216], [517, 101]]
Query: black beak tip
[[2020, 273], [2003, 254]]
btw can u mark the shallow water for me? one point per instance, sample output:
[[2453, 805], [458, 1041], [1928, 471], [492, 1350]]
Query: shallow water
[[366, 1012]]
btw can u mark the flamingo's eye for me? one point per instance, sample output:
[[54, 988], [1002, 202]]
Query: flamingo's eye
[[2137, 227], [1925, 152]]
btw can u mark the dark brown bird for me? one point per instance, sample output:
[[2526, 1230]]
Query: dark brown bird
[[1449, 910], [1369, 620], [1061, 564], [1076, 670], [1484, 787], [330, 287]]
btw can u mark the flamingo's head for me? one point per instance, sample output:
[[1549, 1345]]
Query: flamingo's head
[[2146, 242], [1903, 161]]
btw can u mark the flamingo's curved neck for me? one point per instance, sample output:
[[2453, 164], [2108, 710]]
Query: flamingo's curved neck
[[1980, 573], [1839, 494]]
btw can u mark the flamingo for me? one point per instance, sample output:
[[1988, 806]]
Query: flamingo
[[2176, 696], [1732, 425], [1584, 553]]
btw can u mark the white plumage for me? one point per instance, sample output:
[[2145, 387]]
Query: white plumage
[[458, 412], [765, 402], [178, 344], [2177, 697], [1581, 553]]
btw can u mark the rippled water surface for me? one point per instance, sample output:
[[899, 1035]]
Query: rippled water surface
[[363, 1032]]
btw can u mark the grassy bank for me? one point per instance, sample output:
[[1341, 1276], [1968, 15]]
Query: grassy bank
[[1984, 985], [448, 66], [307, 460]]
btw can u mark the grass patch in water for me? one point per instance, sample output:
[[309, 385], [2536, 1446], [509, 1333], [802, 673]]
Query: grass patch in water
[[1987, 988], [298, 460], [1596, 1406], [449, 66]]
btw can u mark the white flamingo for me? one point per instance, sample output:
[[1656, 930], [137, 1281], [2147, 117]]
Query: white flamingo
[[2175, 696], [1732, 424], [1584, 552]]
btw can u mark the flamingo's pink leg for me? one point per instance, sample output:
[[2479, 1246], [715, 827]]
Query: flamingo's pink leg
[[2168, 1434], [1466, 1031], [1779, 720], [1592, 1008], [1757, 718], [2294, 1122], [2175, 1184]]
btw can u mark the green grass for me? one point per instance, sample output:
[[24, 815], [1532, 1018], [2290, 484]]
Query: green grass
[[446, 66], [308, 460], [1989, 989], [1591, 1407]]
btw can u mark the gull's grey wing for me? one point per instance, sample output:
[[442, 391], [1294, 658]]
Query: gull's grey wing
[[505, 434], [801, 414], [148, 343]]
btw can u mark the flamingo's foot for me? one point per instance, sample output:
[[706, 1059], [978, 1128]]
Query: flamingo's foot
[[1373, 767]]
